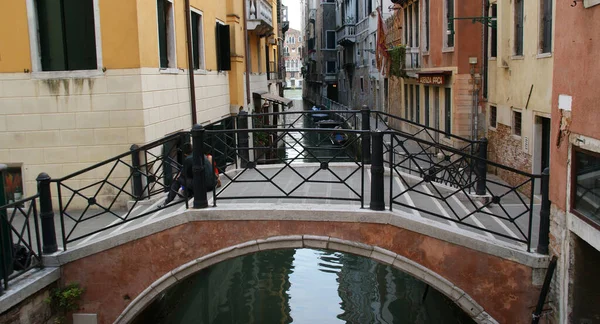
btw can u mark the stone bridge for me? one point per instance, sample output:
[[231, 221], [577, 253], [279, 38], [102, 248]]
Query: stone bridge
[[491, 280]]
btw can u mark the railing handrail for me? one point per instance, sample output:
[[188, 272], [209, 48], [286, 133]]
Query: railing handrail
[[122, 155], [20, 202]]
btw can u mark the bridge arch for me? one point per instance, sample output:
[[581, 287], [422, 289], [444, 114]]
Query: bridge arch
[[118, 269], [384, 256]]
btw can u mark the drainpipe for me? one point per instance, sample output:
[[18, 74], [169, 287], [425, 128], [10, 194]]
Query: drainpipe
[[247, 48], [190, 54]]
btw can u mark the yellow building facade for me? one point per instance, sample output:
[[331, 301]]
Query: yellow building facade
[[520, 83], [81, 84]]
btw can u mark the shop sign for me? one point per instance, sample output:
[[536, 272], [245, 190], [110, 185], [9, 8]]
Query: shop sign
[[437, 79]]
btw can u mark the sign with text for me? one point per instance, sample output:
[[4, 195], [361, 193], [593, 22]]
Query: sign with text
[[437, 79]]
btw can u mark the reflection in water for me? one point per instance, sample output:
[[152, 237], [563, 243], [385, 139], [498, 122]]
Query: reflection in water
[[301, 286]]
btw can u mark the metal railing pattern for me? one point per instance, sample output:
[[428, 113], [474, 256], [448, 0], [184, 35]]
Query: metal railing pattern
[[143, 173], [505, 206], [430, 173], [20, 244]]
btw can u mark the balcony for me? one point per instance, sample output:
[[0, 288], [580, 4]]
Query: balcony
[[412, 58], [260, 16], [362, 26], [346, 35]]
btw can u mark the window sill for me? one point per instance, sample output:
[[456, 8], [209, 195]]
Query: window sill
[[200, 72], [544, 55], [46, 75], [493, 128], [448, 50], [425, 53], [169, 71], [517, 57], [492, 58], [515, 136]]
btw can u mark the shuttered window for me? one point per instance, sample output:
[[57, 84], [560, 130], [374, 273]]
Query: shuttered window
[[546, 27], [426, 25], [198, 41], [418, 103], [223, 49], [406, 107], [494, 32], [519, 27], [67, 35]]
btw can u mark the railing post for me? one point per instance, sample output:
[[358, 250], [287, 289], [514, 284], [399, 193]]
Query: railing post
[[136, 177], [243, 138], [544, 238], [200, 200], [46, 214], [366, 140], [482, 167], [377, 173]]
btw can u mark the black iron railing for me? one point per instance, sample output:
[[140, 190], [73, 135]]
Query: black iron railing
[[428, 175], [20, 243], [110, 193]]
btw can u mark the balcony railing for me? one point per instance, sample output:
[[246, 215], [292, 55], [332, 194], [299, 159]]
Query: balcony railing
[[412, 58], [274, 73], [362, 25], [346, 34], [260, 16]]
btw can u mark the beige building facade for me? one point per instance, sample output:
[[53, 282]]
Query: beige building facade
[[520, 83]]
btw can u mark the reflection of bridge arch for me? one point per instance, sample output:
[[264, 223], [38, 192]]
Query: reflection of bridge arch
[[462, 299], [483, 277]]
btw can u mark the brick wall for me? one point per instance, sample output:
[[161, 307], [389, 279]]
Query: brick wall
[[507, 149]]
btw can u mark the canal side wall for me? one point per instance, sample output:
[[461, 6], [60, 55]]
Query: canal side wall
[[489, 281]]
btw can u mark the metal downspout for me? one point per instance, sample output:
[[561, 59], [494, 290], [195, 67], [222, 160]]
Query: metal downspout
[[247, 48], [190, 55]]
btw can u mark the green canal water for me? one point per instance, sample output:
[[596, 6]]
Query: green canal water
[[301, 286]]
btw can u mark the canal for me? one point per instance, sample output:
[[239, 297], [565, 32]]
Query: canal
[[301, 286]]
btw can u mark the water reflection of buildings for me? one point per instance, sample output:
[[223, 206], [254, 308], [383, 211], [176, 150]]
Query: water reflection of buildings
[[375, 293], [248, 289]]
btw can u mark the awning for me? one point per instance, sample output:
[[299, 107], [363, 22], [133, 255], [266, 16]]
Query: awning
[[277, 99]]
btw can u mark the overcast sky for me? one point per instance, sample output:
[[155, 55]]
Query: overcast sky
[[294, 13]]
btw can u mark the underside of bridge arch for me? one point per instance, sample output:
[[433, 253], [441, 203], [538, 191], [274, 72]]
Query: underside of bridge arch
[[121, 281]]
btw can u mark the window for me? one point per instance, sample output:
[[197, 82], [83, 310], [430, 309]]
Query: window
[[223, 49], [519, 27], [426, 25], [585, 184], [299, 39], [67, 36], [330, 67], [286, 50], [198, 40], [516, 123], [405, 101], [546, 26], [448, 112], [410, 25], [293, 40], [411, 102], [493, 116], [449, 23], [418, 103], [426, 90], [13, 184], [494, 33], [406, 26], [330, 39], [416, 27], [362, 84], [166, 34]]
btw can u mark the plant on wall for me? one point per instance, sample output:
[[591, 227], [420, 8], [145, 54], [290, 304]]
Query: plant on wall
[[65, 300], [398, 61]]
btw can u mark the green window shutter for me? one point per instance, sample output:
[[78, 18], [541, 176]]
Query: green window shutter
[[162, 33], [195, 40], [450, 11], [80, 34], [52, 46], [223, 49]]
